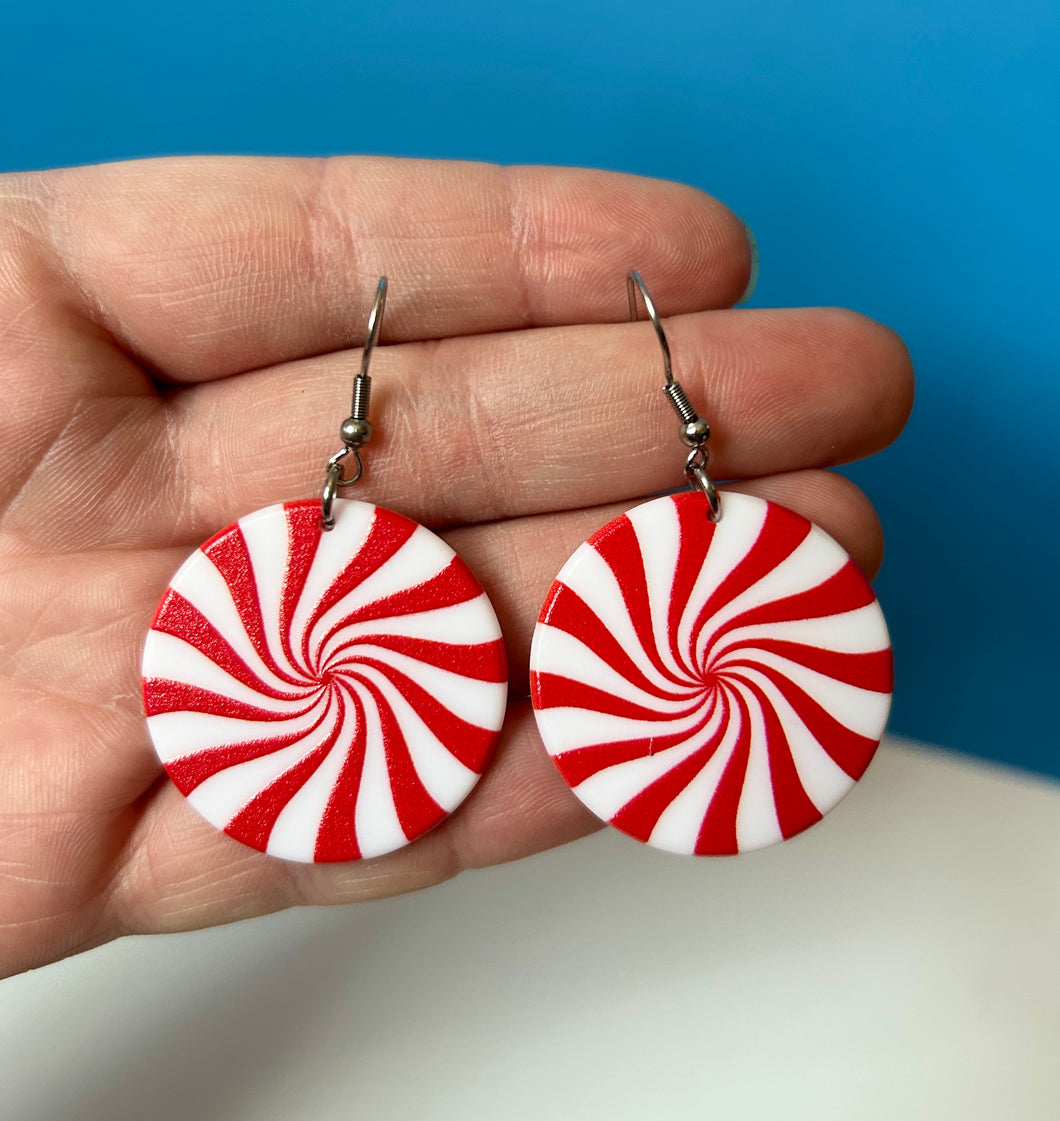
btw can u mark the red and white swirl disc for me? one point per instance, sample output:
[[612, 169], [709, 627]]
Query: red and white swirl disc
[[711, 688], [325, 696]]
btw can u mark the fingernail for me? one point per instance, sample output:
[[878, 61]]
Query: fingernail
[[752, 280]]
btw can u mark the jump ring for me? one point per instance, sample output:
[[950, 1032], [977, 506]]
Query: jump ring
[[327, 499], [696, 470]]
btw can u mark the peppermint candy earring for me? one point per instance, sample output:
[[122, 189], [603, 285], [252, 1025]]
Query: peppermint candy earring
[[709, 684], [325, 679]]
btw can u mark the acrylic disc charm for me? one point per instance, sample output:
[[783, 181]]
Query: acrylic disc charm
[[711, 688], [324, 696]]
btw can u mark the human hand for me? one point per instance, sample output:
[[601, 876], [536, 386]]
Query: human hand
[[176, 351]]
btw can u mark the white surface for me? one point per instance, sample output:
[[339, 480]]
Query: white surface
[[898, 961]]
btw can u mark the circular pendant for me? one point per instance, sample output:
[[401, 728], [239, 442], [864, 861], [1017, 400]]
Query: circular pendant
[[711, 688], [324, 696]]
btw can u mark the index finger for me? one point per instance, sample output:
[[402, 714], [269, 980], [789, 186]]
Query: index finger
[[207, 267]]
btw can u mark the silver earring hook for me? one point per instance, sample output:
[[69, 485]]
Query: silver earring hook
[[695, 432], [375, 321], [634, 282], [356, 429]]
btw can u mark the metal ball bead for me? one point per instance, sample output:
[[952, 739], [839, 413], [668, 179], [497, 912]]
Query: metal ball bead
[[695, 432], [355, 432]]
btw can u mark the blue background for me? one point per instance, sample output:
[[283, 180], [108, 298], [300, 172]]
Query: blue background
[[897, 158]]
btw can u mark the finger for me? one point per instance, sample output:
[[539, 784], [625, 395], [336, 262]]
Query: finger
[[52, 360], [526, 422], [180, 873], [517, 560], [207, 267], [840, 507], [75, 758], [64, 814], [481, 429]]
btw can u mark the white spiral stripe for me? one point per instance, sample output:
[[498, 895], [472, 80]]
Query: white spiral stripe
[[859, 710], [588, 576], [464, 697], [656, 530], [444, 777], [224, 794], [206, 590], [757, 824], [293, 836], [851, 632], [192, 667], [678, 826], [265, 534], [573, 659], [822, 778], [570, 729], [176, 735], [808, 566], [411, 566], [460, 624], [727, 551], [376, 818], [613, 787], [334, 553]]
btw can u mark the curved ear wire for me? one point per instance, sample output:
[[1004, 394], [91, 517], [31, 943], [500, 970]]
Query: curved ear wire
[[695, 432], [356, 429], [635, 282]]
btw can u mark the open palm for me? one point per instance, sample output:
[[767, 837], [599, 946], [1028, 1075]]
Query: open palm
[[177, 343]]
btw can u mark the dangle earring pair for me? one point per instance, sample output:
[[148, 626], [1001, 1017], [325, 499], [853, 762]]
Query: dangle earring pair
[[326, 680]]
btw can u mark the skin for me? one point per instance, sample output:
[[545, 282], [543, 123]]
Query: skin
[[178, 340]]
